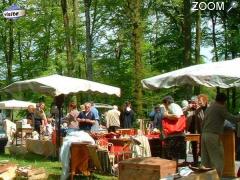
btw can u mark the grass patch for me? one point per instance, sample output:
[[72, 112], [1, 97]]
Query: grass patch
[[52, 166]]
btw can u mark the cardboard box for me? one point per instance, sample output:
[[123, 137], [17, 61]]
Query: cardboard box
[[149, 168]]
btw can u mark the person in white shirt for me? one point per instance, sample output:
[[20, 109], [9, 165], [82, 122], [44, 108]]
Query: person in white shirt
[[173, 110], [174, 142], [112, 118]]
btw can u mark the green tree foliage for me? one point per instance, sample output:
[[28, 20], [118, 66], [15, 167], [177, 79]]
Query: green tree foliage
[[38, 44]]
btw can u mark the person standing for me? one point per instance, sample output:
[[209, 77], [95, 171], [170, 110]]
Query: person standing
[[86, 118], [156, 116], [212, 151], [128, 115], [94, 111], [197, 107], [30, 115], [40, 118], [95, 126], [112, 118], [71, 117]]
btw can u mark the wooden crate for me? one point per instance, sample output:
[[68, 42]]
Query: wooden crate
[[150, 168], [7, 171], [228, 140]]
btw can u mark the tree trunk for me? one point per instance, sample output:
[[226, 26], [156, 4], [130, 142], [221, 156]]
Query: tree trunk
[[67, 37], [74, 34], [135, 9], [187, 32], [234, 93], [10, 53], [187, 40], [198, 37], [214, 18], [198, 45], [87, 4], [20, 55]]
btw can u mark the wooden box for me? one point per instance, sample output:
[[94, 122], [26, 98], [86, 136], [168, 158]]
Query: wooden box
[[150, 168], [228, 140]]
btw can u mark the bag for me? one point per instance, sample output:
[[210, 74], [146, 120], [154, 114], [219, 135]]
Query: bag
[[173, 126]]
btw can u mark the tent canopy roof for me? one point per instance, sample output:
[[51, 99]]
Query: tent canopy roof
[[55, 85], [15, 104], [224, 74]]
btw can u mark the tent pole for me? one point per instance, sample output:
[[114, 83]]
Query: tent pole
[[11, 115], [59, 102]]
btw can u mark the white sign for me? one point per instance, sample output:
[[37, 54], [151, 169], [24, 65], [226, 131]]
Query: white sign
[[14, 12], [11, 14]]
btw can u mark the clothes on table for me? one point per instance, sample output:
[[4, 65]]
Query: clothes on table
[[142, 149]]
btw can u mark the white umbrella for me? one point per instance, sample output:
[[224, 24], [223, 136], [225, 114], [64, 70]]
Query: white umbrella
[[15, 104], [55, 85], [58, 86], [224, 74]]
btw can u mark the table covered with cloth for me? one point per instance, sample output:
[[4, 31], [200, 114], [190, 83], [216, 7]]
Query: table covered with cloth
[[41, 147]]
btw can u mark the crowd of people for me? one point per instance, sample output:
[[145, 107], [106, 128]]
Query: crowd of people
[[202, 118], [86, 118]]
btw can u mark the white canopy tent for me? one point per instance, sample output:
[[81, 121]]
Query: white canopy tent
[[224, 74], [55, 85], [15, 104], [58, 86]]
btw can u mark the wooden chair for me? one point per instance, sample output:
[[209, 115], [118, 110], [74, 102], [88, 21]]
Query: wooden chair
[[120, 152], [84, 159], [94, 159], [79, 159]]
